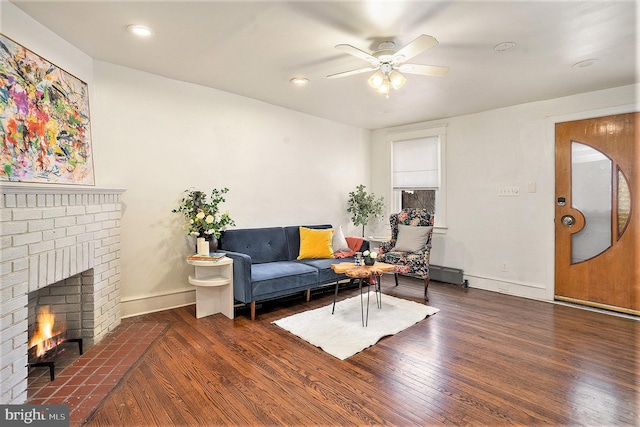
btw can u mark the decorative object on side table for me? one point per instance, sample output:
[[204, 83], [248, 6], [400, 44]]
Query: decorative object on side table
[[203, 217], [364, 207], [369, 257], [214, 256]]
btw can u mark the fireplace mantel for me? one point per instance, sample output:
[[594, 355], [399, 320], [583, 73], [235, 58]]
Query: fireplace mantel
[[29, 188]]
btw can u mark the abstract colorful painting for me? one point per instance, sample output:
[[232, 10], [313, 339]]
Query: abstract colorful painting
[[44, 122]]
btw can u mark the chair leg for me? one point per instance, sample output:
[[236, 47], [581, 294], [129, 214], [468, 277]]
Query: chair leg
[[308, 295], [395, 275], [253, 310], [426, 286]]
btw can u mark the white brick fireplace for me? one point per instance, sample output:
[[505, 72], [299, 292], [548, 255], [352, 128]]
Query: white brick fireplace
[[51, 233]]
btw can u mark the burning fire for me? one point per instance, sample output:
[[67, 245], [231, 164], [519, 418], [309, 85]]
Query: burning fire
[[44, 338]]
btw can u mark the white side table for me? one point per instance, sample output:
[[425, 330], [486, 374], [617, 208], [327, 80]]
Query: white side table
[[214, 286], [375, 242]]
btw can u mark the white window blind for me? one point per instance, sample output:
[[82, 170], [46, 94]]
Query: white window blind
[[416, 163]]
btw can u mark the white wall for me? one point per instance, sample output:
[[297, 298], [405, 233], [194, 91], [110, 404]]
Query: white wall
[[511, 146], [157, 137]]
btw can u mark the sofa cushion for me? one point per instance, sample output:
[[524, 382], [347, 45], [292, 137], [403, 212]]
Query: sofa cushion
[[273, 279], [315, 243], [325, 273], [293, 237], [261, 244]]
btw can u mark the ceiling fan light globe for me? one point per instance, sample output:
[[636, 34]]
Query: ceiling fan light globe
[[376, 79], [384, 87], [397, 80]]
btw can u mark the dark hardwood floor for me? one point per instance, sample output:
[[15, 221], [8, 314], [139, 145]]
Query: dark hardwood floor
[[484, 359]]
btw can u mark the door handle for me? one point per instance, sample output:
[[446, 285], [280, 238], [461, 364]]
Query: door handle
[[568, 220]]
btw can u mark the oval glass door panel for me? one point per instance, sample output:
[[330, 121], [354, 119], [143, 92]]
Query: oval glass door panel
[[624, 203], [591, 173]]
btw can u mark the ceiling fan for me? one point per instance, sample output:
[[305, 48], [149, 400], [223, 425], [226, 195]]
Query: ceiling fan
[[388, 63]]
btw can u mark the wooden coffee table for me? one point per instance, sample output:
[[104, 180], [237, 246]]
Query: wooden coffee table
[[370, 272]]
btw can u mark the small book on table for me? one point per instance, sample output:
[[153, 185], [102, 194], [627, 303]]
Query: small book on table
[[214, 256]]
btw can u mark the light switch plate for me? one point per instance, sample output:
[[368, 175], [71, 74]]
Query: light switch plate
[[509, 191]]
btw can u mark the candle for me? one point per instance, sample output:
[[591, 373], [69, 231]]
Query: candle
[[202, 246]]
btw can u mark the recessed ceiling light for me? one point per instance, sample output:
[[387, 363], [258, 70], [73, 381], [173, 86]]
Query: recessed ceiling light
[[503, 47], [140, 30], [299, 81], [584, 64]]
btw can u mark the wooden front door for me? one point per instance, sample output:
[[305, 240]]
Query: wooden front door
[[597, 214]]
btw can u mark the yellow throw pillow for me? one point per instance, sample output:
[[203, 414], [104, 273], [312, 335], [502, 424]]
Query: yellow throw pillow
[[315, 243]]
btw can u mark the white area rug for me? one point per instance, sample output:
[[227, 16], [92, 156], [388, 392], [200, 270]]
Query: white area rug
[[342, 334]]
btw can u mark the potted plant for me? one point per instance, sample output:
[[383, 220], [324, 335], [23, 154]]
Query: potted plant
[[203, 216], [364, 207], [369, 257]]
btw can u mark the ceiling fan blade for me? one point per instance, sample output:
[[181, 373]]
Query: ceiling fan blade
[[417, 46], [347, 48], [351, 73], [424, 70]]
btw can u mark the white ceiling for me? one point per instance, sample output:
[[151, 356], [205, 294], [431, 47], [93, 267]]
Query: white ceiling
[[255, 48]]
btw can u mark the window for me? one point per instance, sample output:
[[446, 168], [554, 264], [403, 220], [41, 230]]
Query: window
[[417, 171]]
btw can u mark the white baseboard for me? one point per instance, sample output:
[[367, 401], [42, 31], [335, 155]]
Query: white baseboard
[[151, 303], [520, 289]]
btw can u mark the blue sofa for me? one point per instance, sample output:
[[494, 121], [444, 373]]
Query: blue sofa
[[265, 264]]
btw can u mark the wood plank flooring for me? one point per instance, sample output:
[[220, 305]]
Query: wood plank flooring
[[484, 359]]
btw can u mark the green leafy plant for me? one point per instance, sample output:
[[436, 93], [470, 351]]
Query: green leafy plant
[[364, 207], [203, 217]]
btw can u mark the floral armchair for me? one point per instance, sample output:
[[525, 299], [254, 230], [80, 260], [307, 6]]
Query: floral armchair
[[415, 260]]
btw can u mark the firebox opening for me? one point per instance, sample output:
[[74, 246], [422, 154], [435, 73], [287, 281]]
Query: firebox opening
[[47, 335], [56, 324]]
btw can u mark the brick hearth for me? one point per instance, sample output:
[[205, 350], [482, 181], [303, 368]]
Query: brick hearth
[[88, 379], [51, 233]]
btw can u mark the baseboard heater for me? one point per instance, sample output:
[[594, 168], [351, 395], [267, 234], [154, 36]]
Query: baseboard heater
[[446, 274]]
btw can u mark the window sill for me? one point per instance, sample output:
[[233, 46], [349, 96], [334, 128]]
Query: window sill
[[440, 229]]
